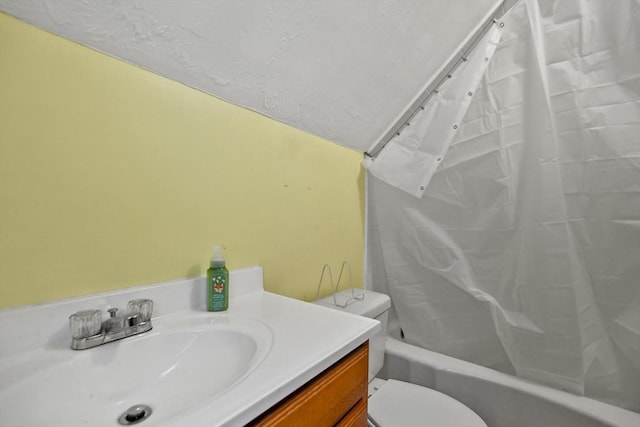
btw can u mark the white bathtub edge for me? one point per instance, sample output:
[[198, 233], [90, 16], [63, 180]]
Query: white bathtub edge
[[607, 414]]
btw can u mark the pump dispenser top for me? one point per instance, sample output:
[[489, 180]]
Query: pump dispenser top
[[217, 260]]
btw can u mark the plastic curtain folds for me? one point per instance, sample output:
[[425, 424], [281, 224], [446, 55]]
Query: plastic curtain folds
[[410, 159], [523, 253]]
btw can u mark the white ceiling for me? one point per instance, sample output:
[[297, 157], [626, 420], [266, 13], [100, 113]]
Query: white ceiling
[[340, 69]]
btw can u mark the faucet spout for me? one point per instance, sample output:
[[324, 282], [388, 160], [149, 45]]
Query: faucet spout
[[116, 327]]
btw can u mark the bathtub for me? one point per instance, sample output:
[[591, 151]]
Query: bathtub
[[501, 400]]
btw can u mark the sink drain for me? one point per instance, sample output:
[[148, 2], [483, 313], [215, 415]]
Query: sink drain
[[135, 415]]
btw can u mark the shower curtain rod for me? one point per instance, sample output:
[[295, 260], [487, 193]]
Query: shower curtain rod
[[446, 72]]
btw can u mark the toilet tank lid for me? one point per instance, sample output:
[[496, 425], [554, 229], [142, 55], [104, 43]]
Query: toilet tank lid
[[371, 305]]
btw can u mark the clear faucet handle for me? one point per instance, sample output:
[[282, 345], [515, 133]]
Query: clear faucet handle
[[85, 323], [142, 306]]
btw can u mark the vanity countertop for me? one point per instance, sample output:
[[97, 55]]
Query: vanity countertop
[[305, 340]]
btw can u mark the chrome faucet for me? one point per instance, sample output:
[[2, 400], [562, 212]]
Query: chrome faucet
[[88, 330]]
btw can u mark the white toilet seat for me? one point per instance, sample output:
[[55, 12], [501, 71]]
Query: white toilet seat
[[401, 404]]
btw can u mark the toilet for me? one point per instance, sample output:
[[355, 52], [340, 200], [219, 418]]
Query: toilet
[[397, 403]]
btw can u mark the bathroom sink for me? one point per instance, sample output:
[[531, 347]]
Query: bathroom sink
[[194, 368], [185, 362]]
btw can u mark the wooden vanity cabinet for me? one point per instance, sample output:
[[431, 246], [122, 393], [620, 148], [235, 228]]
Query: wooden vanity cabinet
[[336, 397]]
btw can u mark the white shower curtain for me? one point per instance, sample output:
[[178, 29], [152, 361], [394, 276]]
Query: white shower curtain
[[523, 252]]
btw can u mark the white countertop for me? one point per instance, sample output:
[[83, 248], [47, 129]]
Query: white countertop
[[307, 339]]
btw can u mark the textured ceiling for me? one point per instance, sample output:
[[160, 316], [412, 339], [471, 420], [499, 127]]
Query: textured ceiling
[[340, 69]]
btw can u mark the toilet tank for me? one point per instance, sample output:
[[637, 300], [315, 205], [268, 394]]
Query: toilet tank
[[373, 305]]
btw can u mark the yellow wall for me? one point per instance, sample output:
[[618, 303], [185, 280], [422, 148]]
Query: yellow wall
[[112, 176]]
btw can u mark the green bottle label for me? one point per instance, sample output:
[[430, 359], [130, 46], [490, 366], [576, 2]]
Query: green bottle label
[[217, 289]]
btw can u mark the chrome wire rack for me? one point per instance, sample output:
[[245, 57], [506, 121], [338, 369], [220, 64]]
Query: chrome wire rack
[[348, 299]]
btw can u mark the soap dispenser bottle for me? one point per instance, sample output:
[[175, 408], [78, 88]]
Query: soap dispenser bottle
[[217, 282]]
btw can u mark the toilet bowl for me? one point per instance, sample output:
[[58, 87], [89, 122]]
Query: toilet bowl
[[397, 403]]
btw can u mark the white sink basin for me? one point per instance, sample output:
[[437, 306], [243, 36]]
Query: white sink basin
[[186, 361], [194, 369]]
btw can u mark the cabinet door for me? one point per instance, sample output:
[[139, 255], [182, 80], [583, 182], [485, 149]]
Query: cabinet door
[[356, 417], [328, 399]]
